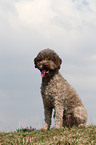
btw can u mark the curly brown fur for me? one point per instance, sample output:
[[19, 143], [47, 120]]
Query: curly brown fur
[[58, 94]]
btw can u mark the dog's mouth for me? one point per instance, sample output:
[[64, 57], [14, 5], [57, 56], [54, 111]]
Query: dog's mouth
[[44, 73]]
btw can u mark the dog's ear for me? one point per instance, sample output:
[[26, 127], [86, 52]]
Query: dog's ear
[[58, 62], [35, 62], [39, 57]]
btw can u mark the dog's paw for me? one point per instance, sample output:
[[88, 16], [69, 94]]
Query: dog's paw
[[45, 127], [81, 125]]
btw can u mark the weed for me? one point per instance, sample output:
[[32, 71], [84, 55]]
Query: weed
[[65, 136]]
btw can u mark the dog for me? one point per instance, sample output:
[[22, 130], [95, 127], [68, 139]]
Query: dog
[[58, 94]]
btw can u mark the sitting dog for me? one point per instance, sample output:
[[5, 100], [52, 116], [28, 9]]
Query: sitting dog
[[58, 94]]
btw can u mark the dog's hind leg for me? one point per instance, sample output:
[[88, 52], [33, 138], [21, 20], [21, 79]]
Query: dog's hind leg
[[80, 115]]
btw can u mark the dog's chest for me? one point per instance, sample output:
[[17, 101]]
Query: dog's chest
[[48, 92]]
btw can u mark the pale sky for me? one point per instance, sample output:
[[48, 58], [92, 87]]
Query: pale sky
[[27, 27]]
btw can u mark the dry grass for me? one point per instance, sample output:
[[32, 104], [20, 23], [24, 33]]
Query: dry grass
[[66, 136]]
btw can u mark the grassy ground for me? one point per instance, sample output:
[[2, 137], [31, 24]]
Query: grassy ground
[[66, 136]]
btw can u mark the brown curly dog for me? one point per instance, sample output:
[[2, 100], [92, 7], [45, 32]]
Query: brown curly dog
[[58, 94]]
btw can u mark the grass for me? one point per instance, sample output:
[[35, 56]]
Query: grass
[[65, 136]]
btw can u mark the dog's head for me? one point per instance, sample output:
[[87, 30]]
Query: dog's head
[[48, 62]]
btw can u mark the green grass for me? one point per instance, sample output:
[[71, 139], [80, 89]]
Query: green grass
[[66, 136]]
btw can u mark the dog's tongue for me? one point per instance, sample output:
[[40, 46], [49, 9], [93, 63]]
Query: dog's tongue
[[44, 72]]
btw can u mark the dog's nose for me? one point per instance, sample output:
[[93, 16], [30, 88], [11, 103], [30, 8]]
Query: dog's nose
[[45, 65]]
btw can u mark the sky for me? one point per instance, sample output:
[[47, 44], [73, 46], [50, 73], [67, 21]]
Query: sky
[[29, 26]]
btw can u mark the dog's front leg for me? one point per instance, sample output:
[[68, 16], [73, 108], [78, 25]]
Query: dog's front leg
[[48, 115], [59, 116]]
